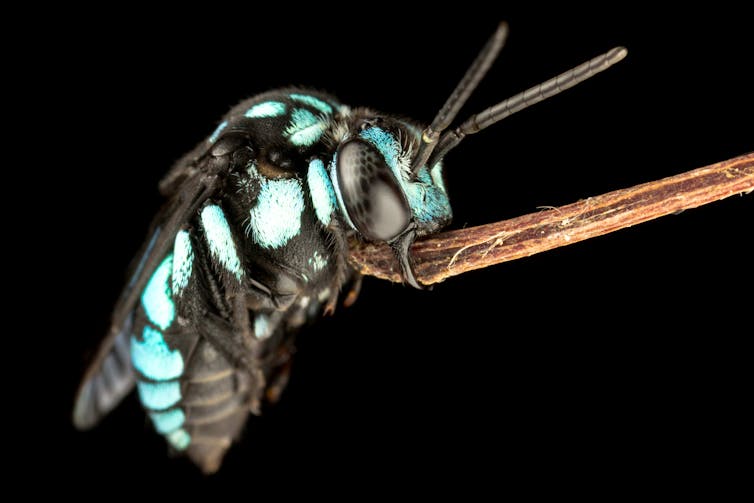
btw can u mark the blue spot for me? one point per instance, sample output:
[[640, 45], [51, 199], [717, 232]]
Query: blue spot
[[213, 137], [313, 102], [183, 260], [266, 109], [276, 216], [167, 421], [220, 239], [436, 174], [321, 191], [156, 298], [262, 326], [153, 358], [179, 439], [143, 259], [386, 143], [428, 201], [305, 128], [317, 262], [159, 395]]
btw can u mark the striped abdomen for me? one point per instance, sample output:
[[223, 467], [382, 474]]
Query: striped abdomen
[[197, 377]]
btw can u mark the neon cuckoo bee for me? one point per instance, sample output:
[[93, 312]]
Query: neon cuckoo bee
[[252, 244]]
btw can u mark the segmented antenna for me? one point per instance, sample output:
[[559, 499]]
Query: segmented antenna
[[460, 94], [531, 96], [433, 149]]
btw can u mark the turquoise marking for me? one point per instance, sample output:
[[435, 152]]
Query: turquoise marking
[[313, 102], [220, 239], [262, 326], [426, 197], [276, 217], [317, 262], [156, 298], [153, 358], [159, 395], [386, 143], [428, 201], [213, 137], [183, 260], [321, 191], [305, 128], [266, 109], [179, 439], [436, 174], [167, 421]]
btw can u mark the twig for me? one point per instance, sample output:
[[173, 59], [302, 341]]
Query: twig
[[451, 253]]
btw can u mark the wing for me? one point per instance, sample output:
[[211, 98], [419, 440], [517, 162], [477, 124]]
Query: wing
[[107, 381], [110, 377]]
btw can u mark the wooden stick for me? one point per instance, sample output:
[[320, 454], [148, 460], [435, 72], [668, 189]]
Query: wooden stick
[[447, 254]]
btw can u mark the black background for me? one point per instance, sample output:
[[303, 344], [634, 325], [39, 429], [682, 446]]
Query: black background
[[619, 362]]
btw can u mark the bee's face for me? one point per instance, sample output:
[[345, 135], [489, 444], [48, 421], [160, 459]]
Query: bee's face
[[372, 175]]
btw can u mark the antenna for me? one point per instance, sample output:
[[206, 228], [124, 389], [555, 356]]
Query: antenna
[[460, 94], [434, 146], [525, 99]]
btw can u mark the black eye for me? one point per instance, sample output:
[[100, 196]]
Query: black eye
[[374, 201]]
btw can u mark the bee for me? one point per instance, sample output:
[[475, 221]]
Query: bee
[[252, 244]]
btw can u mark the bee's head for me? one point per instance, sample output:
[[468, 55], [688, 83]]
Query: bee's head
[[375, 187], [379, 196], [387, 173]]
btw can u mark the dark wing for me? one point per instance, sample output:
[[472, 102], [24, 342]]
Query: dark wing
[[107, 381], [110, 377]]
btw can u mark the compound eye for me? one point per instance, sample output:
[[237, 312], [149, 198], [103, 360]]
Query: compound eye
[[371, 194]]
